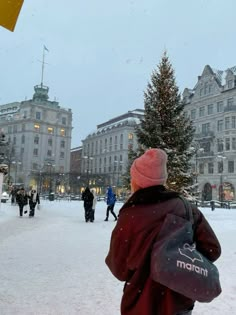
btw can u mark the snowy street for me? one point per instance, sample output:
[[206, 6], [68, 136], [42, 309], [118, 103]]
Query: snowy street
[[53, 264]]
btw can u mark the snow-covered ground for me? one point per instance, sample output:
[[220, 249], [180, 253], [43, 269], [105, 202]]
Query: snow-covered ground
[[53, 264]]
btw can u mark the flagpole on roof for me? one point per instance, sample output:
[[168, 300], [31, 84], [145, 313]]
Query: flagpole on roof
[[43, 63]]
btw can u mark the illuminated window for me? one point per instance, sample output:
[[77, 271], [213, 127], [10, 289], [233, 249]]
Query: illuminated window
[[50, 130], [130, 136], [36, 127], [62, 132]]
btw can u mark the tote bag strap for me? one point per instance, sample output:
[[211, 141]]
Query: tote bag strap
[[188, 209]]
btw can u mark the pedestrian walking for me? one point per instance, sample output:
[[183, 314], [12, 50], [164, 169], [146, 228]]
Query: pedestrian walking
[[92, 218], [139, 224], [111, 200], [87, 197], [34, 199], [21, 200]]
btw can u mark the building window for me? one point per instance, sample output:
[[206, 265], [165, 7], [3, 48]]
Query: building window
[[115, 143], [210, 109], [63, 120], [233, 122], [62, 144], [220, 125], [35, 152], [130, 136], [230, 84], [110, 144], [23, 127], [220, 145], [23, 139], [62, 132], [36, 140], [121, 141], [205, 128], [50, 130], [220, 107], [50, 142], [22, 150], [9, 129], [220, 167], [14, 140], [49, 153], [15, 128], [38, 115], [233, 143], [36, 127], [201, 111], [230, 102], [34, 166], [231, 166], [193, 114], [100, 146], [210, 168], [201, 168], [227, 144], [62, 155], [227, 123]]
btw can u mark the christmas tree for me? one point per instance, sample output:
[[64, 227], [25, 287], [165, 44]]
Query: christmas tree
[[165, 126]]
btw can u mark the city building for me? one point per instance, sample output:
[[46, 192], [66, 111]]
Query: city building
[[211, 105], [75, 170], [105, 152], [39, 137]]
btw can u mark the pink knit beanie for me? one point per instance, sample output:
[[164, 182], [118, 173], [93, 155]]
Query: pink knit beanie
[[150, 168]]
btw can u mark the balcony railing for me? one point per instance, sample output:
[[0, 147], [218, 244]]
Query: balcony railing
[[206, 134]]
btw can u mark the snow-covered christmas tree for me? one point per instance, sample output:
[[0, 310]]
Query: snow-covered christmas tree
[[165, 126]]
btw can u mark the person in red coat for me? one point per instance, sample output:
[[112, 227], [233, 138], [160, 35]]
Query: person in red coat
[[140, 220]]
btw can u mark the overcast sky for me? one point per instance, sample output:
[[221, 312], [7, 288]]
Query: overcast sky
[[102, 52]]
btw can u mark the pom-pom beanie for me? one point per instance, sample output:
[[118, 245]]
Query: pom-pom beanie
[[150, 168]]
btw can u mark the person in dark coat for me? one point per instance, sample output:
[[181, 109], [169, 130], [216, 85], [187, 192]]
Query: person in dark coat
[[33, 201], [87, 197], [140, 221], [111, 200], [21, 200]]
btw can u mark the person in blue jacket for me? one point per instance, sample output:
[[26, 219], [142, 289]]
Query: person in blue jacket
[[111, 200]]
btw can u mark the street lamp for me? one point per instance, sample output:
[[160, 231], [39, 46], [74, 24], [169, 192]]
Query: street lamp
[[221, 169], [88, 158], [16, 163], [196, 149]]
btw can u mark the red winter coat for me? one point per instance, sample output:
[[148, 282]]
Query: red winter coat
[[139, 223]]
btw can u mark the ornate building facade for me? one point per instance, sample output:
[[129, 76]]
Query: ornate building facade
[[211, 105], [39, 137]]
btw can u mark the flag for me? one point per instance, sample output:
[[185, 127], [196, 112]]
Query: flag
[[9, 11], [45, 48]]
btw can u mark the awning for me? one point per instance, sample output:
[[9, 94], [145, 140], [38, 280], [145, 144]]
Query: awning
[[9, 12]]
